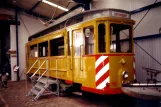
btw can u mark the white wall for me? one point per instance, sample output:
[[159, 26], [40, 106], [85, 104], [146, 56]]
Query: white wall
[[29, 25], [150, 24], [33, 25], [13, 47]]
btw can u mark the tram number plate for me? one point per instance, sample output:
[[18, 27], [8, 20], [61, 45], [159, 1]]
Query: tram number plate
[[119, 14]]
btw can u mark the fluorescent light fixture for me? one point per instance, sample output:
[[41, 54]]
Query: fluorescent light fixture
[[55, 5]]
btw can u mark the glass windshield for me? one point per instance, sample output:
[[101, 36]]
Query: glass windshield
[[121, 38], [101, 37]]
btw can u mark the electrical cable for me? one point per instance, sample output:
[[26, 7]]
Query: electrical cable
[[144, 16], [54, 12], [24, 24], [65, 25], [138, 44], [148, 53], [68, 4], [144, 50]]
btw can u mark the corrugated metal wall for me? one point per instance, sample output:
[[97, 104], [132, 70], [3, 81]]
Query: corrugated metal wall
[[152, 46], [149, 26]]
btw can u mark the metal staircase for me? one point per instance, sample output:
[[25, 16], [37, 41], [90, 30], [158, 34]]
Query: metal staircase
[[41, 83]]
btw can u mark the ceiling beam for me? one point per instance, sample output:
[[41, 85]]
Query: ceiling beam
[[10, 22], [32, 13], [146, 8], [27, 11], [35, 6], [85, 3]]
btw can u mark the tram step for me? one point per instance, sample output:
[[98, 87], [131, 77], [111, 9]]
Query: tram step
[[35, 92], [40, 86], [77, 93], [47, 81]]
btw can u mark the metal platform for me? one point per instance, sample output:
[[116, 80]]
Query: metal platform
[[143, 92], [149, 90]]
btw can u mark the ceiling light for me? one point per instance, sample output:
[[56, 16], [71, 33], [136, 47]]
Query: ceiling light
[[55, 5]]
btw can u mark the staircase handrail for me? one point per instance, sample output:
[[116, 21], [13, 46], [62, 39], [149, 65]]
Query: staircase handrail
[[42, 75], [38, 68], [32, 66]]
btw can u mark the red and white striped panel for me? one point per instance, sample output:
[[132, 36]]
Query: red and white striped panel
[[134, 67], [102, 71]]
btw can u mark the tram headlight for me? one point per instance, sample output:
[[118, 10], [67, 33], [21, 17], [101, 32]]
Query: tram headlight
[[125, 74]]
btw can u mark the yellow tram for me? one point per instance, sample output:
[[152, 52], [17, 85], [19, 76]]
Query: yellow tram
[[93, 49]]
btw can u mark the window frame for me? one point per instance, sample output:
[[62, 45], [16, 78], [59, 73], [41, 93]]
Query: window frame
[[47, 48], [62, 36], [84, 38], [36, 45], [106, 32], [130, 33]]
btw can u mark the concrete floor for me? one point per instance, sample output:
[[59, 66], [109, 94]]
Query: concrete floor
[[15, 96]]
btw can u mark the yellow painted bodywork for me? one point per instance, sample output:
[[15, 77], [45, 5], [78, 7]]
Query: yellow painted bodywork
[[117, 67], [81, 69]]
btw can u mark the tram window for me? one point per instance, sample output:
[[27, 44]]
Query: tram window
[[101, 37], [43, 49], [57, 46], [89, 40], [78, 42], [121, 38], [33, 51]]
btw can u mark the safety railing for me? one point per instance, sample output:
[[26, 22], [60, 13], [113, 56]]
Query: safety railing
[[32, 66], [39, 68]]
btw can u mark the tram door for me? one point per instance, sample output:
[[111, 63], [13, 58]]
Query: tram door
[[78, 46]]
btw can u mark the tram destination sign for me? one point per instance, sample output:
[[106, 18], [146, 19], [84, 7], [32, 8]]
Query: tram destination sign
[[120, 14], [111, 13]]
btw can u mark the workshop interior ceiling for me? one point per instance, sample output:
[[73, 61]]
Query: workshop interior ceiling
[[41, 8]]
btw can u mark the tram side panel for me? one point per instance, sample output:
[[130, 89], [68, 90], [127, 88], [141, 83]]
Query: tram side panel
[[58, 67], [88, 72], [118, 66]]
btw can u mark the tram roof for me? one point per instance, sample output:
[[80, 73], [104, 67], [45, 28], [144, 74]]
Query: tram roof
[[84, 16]]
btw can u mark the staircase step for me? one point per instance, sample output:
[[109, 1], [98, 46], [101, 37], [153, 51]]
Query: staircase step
[[36, 77], [39, 86], [47, 81], [36, 92]]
